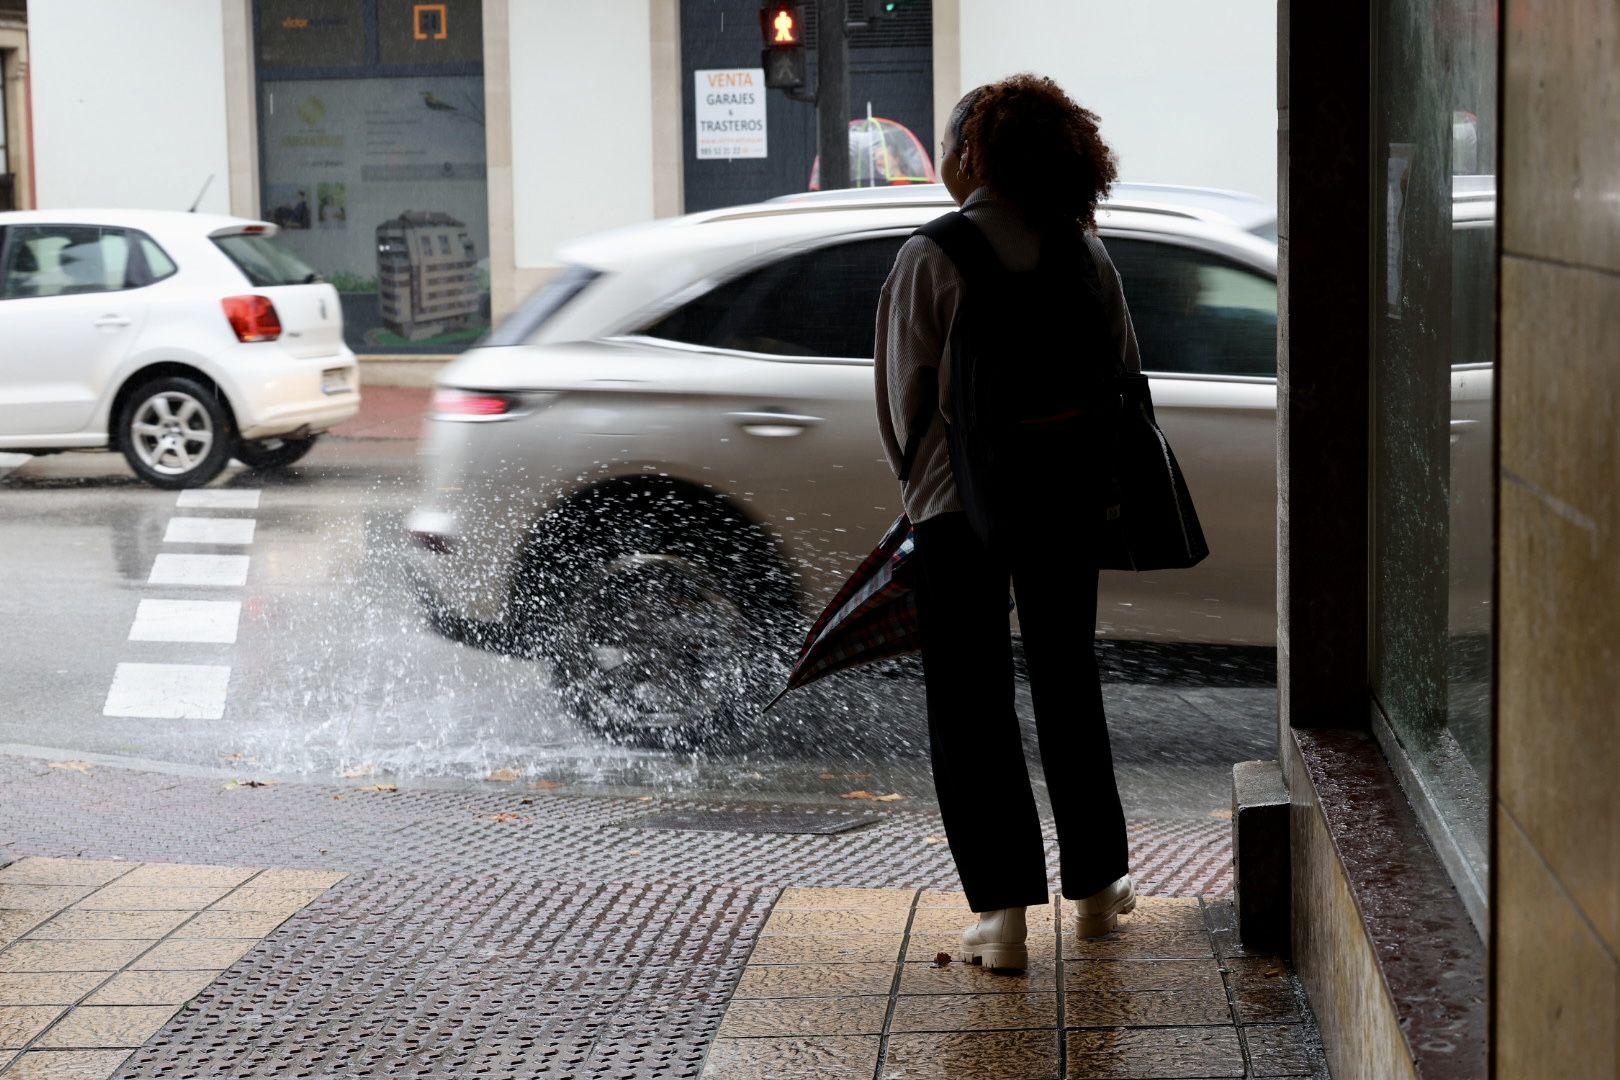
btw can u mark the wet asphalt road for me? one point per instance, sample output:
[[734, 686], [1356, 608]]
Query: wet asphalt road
[[334, 673]]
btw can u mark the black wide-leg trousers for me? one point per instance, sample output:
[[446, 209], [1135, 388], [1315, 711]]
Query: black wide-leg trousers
[[982, 782]]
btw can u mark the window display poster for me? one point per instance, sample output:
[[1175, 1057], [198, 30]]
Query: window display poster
[[379, 184]]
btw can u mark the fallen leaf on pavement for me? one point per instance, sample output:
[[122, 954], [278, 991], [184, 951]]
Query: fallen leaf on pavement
[[337, 798], [893, 796], [547, 785], [355, 772], [827, 776], [942, 959], [509, 816], [379, 787], [76, 766], [1223, 814], [855, 776], [249, 783], [238, 756], [871, 797], [932, 839], [504, 775]]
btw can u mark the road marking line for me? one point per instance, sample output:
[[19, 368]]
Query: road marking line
[[209, 621], [190, 530], [220, 498], [168, 691], [209, 570]]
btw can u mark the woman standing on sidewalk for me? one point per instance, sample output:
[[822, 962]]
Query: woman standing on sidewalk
[[1027, 166]]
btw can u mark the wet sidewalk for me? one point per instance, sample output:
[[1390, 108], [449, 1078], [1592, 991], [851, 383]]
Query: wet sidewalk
[[870, 982], [533, 932]]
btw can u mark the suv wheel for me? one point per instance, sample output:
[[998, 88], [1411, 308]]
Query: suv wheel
[[668, 631], [273, 453], [175, 433]]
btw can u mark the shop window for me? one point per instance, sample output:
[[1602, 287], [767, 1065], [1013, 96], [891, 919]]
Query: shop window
[[371, 125], [1433, 384]]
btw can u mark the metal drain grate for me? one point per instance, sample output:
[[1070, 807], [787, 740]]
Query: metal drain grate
[[756, 821]]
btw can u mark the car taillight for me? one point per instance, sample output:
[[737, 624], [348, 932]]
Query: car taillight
[[471, 404], [253, 318]]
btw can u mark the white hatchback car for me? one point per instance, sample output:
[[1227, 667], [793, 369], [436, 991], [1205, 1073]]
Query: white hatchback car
[[181, 339], [673, 448]]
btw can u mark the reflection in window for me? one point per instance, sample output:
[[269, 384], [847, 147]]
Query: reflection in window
[[58, 260], [1197, 314]]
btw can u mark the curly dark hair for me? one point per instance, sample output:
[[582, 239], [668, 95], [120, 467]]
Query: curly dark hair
[[1036, 148]]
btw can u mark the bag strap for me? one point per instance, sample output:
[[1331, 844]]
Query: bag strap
[[970, 252], [965, 243]]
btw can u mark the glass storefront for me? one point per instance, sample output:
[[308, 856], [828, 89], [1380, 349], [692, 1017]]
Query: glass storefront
[[1433, 373], [371, 122]]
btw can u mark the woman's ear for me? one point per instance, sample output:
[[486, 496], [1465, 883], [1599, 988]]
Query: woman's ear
[[964, 162]]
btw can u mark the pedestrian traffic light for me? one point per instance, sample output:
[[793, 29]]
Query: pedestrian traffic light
[[784, 68], [780, 24]]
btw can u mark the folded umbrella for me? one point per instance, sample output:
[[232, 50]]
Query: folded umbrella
[[873, 616]]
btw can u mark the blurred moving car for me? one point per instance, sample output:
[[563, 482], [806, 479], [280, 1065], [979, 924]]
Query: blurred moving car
[[182, 340], [668, 457]]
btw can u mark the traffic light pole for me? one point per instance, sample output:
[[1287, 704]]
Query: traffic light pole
[[832, 94]]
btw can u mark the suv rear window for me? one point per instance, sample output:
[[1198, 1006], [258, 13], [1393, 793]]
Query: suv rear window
[[265, 262], [541, 306]]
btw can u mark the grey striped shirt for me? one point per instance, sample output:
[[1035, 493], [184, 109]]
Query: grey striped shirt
[[915, 313]]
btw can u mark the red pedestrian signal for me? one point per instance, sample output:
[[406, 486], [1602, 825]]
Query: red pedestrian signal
[[780, 23]]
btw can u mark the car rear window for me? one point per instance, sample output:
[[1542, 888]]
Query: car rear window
[[541, 306], [265, 262]]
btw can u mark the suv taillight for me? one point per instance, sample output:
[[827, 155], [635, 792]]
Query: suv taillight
[[452, 404], [253, 318]]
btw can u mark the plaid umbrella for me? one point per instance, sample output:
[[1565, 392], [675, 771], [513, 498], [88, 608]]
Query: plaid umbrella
[[873, 617]]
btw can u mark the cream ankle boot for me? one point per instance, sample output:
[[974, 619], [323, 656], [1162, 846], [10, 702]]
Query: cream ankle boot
[[1099, 913], [997, 940]]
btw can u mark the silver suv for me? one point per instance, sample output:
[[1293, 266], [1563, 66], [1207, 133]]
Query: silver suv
[[659, 467]]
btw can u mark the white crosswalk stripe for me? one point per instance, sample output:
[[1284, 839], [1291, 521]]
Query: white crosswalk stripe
[[219, 498], [201, 530], [168, 691], [208, 621], [204, 570]]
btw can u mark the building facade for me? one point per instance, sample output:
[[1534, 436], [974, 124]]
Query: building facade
[[528, 123]]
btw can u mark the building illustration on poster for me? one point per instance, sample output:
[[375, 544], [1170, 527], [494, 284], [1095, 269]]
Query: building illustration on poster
[[730, 106]]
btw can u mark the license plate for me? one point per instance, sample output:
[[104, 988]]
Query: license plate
[[335, 381]]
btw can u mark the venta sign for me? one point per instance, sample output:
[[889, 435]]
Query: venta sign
[[730, 106]]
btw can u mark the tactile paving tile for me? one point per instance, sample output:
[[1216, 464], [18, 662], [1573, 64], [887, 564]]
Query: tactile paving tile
[[464, 943], [128, 814], [406, 975]]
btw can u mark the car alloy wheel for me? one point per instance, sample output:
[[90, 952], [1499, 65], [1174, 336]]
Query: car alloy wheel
[[175, 432], [172, 432]]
